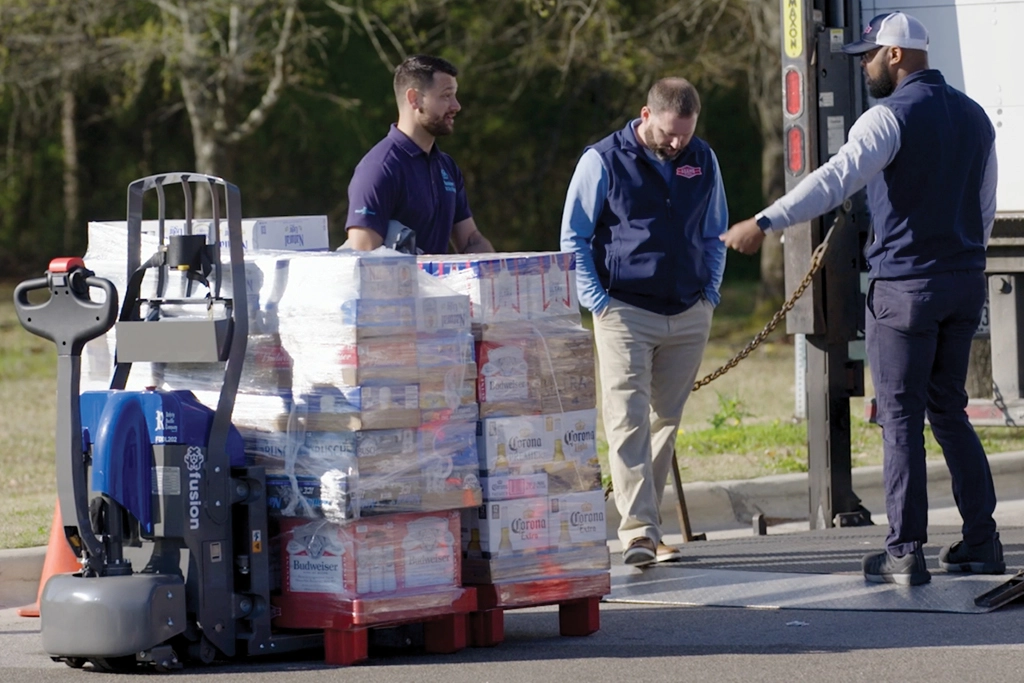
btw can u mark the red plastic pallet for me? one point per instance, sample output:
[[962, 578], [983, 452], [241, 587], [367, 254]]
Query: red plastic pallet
[[578, 599], [346, 623]]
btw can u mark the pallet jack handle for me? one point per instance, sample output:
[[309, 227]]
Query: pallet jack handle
[[70, 318]]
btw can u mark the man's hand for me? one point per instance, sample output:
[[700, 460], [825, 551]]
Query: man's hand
[[745, 237], [468, 240]]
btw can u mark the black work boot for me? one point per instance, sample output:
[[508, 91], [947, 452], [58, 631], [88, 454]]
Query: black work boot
[[984, 558], [909, 570]]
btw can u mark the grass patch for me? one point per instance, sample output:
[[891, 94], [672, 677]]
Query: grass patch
[[740, 427], [28, 388]]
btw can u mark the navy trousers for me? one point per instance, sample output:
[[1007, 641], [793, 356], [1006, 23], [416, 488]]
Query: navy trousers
[[918, 335]]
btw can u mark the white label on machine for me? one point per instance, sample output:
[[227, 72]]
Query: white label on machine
[[166, 481], [835, 40], [836, 134], [826, 99]]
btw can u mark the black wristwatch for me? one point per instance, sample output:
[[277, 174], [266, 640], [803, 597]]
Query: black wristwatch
[[763, 222]]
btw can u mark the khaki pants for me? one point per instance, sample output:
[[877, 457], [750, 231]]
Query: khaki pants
[[647, 363]]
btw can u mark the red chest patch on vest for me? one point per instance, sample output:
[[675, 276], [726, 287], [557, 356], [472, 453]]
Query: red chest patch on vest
[[688, 171]]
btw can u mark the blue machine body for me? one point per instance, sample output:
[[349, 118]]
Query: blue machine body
[[123, 426]]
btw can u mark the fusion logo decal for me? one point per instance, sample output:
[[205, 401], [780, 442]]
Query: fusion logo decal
[[194, 460]]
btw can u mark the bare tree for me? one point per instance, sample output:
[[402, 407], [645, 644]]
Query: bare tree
[[519, 38], [47, 46], [233, 60], [764, 82]]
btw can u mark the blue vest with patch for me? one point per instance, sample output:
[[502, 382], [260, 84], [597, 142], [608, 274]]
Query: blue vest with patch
[[648, 243], [926, 204]]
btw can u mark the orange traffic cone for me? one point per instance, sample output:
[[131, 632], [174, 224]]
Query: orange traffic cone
[[59, 560]]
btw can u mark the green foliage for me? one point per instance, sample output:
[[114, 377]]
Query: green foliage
[[730, 412], [539, 81]]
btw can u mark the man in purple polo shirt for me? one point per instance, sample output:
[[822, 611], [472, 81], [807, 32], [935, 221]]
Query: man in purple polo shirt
[[405, 179]]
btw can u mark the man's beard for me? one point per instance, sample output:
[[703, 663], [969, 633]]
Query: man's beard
[[664, 152], [437, 126], [882, 86]]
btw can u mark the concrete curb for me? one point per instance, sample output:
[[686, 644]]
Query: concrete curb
[[21, 564], [712, 506], [718, 505]]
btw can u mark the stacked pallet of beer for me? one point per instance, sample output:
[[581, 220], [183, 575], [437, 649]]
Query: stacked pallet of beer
[[374, 457], [542, 522]]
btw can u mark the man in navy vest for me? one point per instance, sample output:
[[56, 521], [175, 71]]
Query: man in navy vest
[[405, 186], [927, 157], [644, 213]]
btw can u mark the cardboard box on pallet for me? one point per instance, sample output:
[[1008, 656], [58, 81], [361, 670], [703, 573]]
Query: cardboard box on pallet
[[387, 555], [515, 445], [439, 309], [332, 360], [577, 518], [506, 527], [572, 387], [509, 377], [535, 367], [507, 487], [512, 286], [109, 239], [350, 474], [562, 445], [583, 560], [318, 281], [556, 295], [369, 318], [356, 408], [267, 370]]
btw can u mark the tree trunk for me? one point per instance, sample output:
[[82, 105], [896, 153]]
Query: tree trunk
[[69, 139], [773, 275], [201, 113], [765, 86], [979, 371]]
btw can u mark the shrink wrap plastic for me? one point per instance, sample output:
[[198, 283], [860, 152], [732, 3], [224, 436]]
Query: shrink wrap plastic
[[383, 569], [374, 452], [262, 238], [511, 287], [543, 514]]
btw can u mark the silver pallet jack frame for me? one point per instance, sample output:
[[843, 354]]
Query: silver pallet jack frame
[[203, 589]]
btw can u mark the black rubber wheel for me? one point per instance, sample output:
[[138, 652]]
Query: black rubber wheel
[[75, 662], [115, 664]]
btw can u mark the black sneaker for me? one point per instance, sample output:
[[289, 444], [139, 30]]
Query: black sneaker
[[909, 570], [640, 552], [986, 558]]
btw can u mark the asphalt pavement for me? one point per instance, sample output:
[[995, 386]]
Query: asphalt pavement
[[657, 643]]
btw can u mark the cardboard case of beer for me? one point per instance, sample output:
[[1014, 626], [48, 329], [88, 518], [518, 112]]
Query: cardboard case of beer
[[391, 554], [506, 527]]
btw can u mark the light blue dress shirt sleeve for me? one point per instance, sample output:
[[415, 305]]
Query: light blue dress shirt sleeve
[[583, 204], [716, 222], [872, 144]]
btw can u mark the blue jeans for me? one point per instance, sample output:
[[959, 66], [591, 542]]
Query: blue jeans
[[918, 335]]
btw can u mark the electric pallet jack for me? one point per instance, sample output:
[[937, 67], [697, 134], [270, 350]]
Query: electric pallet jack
[[169, 525]]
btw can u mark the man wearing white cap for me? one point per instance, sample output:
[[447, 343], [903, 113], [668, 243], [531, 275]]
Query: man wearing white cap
[[926, 154]]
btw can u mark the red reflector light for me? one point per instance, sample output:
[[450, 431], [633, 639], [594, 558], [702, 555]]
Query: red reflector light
[[794, 92], [795, 150]]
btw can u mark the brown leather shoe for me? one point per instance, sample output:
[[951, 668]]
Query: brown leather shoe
[[639, 552], [668, 553]]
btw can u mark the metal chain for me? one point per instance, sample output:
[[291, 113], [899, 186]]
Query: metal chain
[[817, 260]]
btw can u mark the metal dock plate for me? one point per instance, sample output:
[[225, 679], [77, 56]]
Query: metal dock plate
[[816, 570]]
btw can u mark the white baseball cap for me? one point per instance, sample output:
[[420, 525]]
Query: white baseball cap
[[893, 29]]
